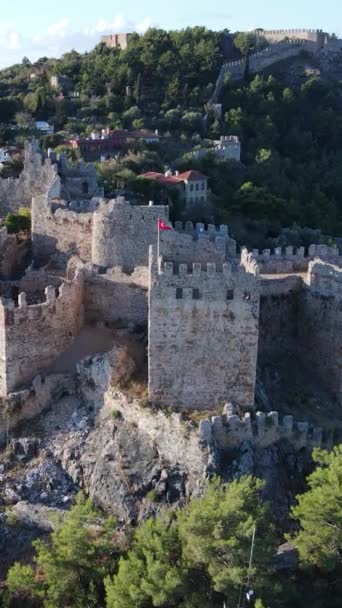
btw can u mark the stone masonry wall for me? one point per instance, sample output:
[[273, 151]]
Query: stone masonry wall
[[36, 178], [35, 335], [122, 233], [115, 296], [28, 403], [261, 60], [228, 432], [203, 335], [280, 299], [189, 243], [316, 36], [288, 260], [63, 231], [320, 324]]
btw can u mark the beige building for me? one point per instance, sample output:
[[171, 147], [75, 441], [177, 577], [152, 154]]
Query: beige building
[[193, 185]]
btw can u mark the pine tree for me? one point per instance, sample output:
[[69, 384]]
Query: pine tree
[[319, 513]]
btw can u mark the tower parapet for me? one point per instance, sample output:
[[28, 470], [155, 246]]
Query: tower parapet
[[203, 334]]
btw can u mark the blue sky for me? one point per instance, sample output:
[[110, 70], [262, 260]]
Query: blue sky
[[41, 27]]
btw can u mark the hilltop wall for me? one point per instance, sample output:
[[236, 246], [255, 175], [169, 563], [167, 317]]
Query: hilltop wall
[[203, 335], [320, 324], [115, 296], [35, 335], [122, 233], [261, 60], [318, 37]]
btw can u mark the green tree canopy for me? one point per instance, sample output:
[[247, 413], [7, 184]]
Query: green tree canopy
[[69, 571], [319, 513], [198, 556]]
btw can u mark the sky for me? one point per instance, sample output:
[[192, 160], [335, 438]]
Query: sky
[[36, 28]]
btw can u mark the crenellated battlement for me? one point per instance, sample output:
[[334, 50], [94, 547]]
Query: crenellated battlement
[[291, 260], [199, 228], [201, 243], [55, 298], [228, 432], [209, 282], [203, 318], [34, 335], [325, 279]]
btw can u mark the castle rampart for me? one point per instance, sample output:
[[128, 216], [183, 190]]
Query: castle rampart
[[34, 335], [30, 402], [318, 37], [59, 231], [228, 432], [261, 60], [122, 233], [320, 324], [285, 260], [116, 297], [203, 334], [189, 243], [36, 178]]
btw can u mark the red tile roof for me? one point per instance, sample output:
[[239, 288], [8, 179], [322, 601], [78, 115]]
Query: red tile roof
[[192, 176], [163, 179], [187, 176]]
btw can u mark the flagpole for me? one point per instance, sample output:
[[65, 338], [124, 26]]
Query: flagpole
[[158, 243]]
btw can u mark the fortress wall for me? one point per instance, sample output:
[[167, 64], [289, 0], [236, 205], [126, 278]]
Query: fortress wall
[[227, 432], [28, 403], [189, 243], [290, 260], [122, 233], [62, 231], [3, 374], [175, 439], [261, 60], [35, 335], [116, 296], [278, 322], [320, 324], [203, 335], [36, 178], [316, 36], [78, 182]]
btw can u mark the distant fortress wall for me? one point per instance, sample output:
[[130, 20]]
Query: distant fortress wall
[[318, 37]]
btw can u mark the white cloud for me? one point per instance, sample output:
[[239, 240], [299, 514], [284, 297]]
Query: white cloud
[[9, 39], [60, 38], [59, 29]]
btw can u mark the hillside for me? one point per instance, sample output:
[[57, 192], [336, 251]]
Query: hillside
[[288, 120]]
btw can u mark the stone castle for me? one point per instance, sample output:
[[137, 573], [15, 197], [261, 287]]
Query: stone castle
[[211, 315]]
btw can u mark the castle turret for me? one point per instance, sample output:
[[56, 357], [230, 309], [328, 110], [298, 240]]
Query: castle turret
[[123, 232]]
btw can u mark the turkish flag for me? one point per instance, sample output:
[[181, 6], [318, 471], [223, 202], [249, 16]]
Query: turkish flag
[[163, 226]]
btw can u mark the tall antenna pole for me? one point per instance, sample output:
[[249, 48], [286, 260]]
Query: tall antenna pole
[[249, 569], [251, 556]]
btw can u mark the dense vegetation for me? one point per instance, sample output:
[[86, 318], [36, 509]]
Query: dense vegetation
[[290, 127], [193, 557]]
